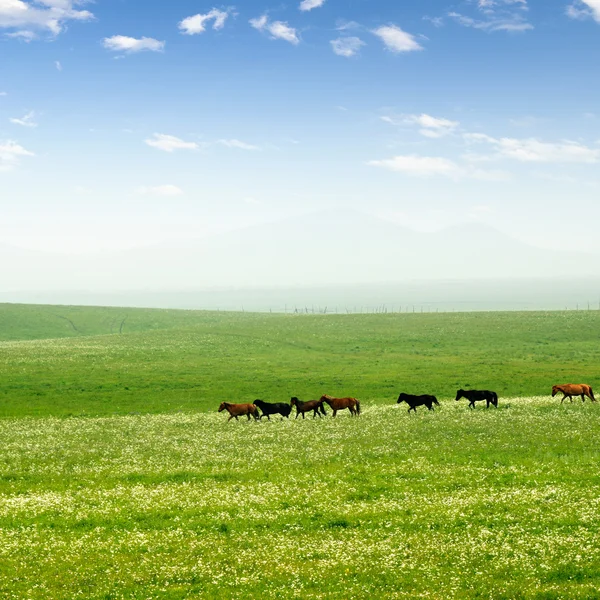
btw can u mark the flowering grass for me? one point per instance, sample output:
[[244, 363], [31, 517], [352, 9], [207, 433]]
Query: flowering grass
[[499, 503]]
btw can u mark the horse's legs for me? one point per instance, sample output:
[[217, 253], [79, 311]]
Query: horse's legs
[[303, 414], [334, 412], [582, 398]]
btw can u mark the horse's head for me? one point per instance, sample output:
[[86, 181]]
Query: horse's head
[[435, 400], [459, 394], [401, 398], [293, 401], [555, 390], [325, 398], [222, 406]]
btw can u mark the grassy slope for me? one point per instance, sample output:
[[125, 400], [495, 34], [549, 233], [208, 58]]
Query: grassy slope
[[168, 361], [452, 504]]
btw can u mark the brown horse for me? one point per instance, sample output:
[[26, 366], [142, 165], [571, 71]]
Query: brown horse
[[239, 410], [303, 407], [352, 404], [574, 389]]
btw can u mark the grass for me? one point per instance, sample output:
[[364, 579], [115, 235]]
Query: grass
[[64, 361], [473, 504], [175, 503]]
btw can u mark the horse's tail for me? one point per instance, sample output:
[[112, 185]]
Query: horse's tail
[[358, 407], [494, 399], [591, 393]]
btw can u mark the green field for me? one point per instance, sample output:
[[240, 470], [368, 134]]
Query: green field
[[62, 361], [116, 483]]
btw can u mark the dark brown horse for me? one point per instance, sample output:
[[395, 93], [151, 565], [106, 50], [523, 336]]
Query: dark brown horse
[[476, 395], [352, 404], [303, 407], [574, 389], [414, 401], [239, 410]]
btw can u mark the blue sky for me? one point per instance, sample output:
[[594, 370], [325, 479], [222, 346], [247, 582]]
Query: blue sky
[[125, 123]]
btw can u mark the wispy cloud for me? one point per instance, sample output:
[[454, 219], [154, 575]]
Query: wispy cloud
[[10, 154], [238, 144], [310, 4], [123, 43], [496, 15], [397, 40], [197, 23], [160, 190], [26, 120], [432, 127], [535, 151], [24, 35], [42, 15], [170, 143], [435, 166], [58, 65], [584, 9], [278, 29], [347, 46]]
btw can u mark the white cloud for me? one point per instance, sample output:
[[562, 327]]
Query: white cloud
[[397, 40], [347, 46], [432, 127], [3, 94], [533, 150], [26, 120], [497, 15], [277, 29], [169, 143], [197, 23], [123, 43], [25, 35], [310, 4], [58, 65], [434, 166], [238, 144], [45, 15], [10, 154], [160, 190], [420, 166], [584, 9]]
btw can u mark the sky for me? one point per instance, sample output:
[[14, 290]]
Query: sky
[[125, 123]]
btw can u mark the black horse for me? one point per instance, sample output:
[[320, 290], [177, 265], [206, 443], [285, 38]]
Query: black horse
[[303, 407], [476, 395], [414, 401], [278, 408]]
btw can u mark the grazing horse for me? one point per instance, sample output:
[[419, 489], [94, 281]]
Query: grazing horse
[[352, 404], [239, 410], [303, 407], [414, 401], [574, 389], [476, 395], [278, 408]]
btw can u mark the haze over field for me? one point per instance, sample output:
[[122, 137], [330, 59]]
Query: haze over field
[[298, 145]]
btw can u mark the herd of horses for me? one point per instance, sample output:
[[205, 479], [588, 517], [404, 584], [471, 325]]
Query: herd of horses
[[259, 409]]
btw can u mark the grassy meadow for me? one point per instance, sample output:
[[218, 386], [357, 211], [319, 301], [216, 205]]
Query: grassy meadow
[[119, 480]]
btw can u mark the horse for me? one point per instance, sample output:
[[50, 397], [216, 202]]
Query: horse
[[414, 401], [574, 389], [303, 407], [278, 408], [239, 410], [352, 404], [476, 395]]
